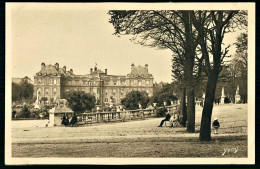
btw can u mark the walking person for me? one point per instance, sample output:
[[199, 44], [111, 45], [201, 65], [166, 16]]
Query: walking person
[[215, 125]]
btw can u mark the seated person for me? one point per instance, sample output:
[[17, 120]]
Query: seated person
[[167, 118], [174, 119]]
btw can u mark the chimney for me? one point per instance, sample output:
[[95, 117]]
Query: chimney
[[132, 66], [71, 71], [146, 66], [91, 70], [106, 71], [57, 66], [64, 68], [42, 65]]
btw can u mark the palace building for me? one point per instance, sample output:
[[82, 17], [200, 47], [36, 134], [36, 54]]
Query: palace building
[[53, 82]]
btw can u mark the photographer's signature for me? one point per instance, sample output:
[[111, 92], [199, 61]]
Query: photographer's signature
[[230, 150]]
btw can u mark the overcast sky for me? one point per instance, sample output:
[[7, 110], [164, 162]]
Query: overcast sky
[[78, 39]]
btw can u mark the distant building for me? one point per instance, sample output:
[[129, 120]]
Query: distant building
[[53, 82]]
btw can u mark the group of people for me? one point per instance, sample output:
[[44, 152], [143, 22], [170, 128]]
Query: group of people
[[65, 120], [175, 118]]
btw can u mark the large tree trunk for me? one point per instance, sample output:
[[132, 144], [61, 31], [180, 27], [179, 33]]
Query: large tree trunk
[[183, 112], [205, 128], [190, 110]]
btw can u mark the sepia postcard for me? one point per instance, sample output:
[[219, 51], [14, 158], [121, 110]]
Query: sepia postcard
[[130, 83]]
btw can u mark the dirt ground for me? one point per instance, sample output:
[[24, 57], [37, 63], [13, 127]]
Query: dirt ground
[[133, 138]]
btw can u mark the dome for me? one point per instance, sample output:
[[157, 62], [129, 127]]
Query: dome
[[139, 71]]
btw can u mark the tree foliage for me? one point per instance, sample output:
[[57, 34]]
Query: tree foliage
[[134, 98], [212, 27], [163, 95], [24, 113], [196, 40], [79, 101], [23, 90], [166, 29]]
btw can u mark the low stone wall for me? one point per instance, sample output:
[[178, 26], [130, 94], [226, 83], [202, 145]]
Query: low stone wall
[[126, 115]]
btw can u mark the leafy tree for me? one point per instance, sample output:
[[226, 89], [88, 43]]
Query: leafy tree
[[23, 90], [26, 88], [239, 65], [164, 95], [15, 92], [79, 101], [24, 113], [134, 98], [212, 27], [166, 30]]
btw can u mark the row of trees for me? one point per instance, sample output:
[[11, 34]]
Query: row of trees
[[133, 99], [196, 40]]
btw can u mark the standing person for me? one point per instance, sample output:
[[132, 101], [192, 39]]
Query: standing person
[[63, 119], [167, 118], [66, 121], [215, 125], [74, 120]]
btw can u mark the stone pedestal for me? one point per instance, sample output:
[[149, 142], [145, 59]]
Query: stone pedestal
[[237, 98], [222, 100]]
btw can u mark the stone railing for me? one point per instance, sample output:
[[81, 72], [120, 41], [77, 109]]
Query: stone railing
[[126, 115]]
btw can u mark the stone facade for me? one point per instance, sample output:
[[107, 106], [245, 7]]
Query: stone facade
[[53, 82]]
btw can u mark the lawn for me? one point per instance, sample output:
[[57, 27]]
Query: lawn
[[133, 138]]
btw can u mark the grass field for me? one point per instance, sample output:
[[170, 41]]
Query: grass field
[[133, 138]]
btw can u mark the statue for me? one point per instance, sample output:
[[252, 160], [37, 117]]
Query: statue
[[222, 96], [237, 97], [237, 91], [36, 104], [223, 92]]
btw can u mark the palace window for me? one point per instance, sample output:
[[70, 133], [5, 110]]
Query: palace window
[[46, 91], [54, 81], [54, 90], [114, 91], [140, 83], [135, 82], [147, 82], [106, 100]]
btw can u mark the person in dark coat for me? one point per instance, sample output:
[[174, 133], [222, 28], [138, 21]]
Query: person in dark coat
[[167, 118], [74, 120], [215, 125], [63, 120], [66, 123]]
